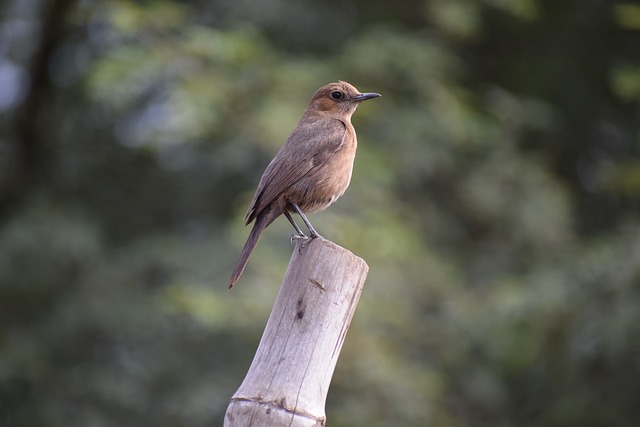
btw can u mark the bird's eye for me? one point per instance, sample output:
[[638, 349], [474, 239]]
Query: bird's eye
[[337, 95]]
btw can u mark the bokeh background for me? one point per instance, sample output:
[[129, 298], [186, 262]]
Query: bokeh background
[[496, 198]]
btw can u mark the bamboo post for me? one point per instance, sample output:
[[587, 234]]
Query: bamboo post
[[289, 377]]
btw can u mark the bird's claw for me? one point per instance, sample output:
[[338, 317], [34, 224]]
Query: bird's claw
[[302, 238], [295, 237]]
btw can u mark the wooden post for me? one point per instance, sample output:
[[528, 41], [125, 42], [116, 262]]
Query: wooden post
[[289, 377]]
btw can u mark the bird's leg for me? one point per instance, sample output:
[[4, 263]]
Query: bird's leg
[[298, 230], [312, 231], [298, 234]]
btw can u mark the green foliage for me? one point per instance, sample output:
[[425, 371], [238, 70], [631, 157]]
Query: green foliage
[[495, 197]]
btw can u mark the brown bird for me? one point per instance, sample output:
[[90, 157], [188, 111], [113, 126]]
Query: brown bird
[[311, 170]]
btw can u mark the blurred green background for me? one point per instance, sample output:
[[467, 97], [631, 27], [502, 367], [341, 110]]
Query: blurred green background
[[495, 197]]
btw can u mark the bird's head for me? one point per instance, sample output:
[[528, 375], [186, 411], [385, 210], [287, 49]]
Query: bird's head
[[338, 100]]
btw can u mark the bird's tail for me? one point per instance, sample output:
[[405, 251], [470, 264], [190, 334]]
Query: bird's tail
[[262, 221]]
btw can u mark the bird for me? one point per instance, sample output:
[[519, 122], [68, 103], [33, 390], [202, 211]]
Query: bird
[[311, 170]]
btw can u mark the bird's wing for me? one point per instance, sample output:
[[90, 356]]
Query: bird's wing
[[321, 138]]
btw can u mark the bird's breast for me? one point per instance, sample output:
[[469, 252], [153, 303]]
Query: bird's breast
[[328, 181]]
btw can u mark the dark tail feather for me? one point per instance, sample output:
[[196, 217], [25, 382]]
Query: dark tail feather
[[262, 221]]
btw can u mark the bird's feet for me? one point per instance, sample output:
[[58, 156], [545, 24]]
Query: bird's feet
[[295, 237], [303, 239]]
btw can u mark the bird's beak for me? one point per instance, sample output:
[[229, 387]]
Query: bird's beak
[[365, 96]]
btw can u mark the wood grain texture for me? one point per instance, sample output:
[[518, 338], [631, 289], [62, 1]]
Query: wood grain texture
[[289, 377]]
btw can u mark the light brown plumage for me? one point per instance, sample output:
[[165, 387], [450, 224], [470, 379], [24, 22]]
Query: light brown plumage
[[311, 170]]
